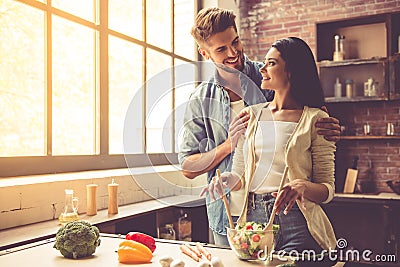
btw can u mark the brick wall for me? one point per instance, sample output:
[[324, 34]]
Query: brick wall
[[379, 160], [263, 22]]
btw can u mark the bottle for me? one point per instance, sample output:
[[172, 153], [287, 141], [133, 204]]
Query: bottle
[[70, 209], [113, 198], [338, 54], [338, 88], [390, 128], [341, 47], [373, 91]]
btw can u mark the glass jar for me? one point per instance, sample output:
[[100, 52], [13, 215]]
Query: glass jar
[[349, 88], [184, 227], [166, 232]]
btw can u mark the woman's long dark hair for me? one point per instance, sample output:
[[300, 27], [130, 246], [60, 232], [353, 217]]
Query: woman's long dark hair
[[300, 64]]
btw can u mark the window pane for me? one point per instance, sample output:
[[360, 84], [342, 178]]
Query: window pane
[[84, 9], [73, 88], [125, 81], [22, 80], [183, 21], [158, 103], [185, 83], [125, 16], [158, 23]]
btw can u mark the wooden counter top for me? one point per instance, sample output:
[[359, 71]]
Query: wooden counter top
[[39, 231]]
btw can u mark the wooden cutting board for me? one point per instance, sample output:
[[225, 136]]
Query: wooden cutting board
[[351, 177], [350, 182]]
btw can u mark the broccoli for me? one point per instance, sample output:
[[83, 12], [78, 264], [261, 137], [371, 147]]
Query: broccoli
[[77, 239]]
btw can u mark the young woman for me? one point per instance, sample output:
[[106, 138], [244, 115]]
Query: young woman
[[281, 134]]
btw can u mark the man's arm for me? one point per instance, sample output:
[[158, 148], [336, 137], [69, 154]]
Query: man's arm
[[199, 163], [329, 127]]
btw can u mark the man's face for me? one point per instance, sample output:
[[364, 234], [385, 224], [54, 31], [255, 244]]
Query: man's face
[[224, 48]]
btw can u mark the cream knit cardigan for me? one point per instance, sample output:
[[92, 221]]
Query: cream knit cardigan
[[309, 156]]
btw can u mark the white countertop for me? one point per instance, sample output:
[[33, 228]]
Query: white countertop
[[44, 255]]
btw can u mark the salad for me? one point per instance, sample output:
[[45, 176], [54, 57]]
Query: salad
[[245, 239]]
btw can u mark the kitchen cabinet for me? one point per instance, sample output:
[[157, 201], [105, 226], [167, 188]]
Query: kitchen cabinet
[[367, 222], [149, 223], [371, 46]]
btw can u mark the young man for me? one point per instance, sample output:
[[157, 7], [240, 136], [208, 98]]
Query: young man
[[213, 122]]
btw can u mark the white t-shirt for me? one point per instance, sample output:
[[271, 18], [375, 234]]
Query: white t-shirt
[[270, 142]]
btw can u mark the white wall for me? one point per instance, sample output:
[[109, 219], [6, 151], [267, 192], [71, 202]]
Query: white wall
[[26, 200]]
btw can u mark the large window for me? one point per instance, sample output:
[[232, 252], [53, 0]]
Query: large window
[[70, 71]]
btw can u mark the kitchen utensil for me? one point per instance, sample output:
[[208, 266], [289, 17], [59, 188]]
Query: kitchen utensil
[[225, 200], [268, 240], [395, 186], [351, 177], [365, 186]]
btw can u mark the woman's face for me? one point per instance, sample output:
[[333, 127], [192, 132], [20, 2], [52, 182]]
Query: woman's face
[[274, 72]]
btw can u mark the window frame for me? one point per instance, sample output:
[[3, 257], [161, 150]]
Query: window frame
[[48, 164]]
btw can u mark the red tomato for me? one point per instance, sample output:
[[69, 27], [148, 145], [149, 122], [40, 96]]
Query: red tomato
[[237, 239], [249, 227], [256, 238], [244, 246]]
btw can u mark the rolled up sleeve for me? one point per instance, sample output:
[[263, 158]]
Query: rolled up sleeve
[[323, 156], [192, 133]]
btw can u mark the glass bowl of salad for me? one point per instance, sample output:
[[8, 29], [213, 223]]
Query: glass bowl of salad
[[245, 240]]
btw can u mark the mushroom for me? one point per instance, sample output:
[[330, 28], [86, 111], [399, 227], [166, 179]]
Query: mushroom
[[216, 262], [204, 264], [177, 263], [166, 260]]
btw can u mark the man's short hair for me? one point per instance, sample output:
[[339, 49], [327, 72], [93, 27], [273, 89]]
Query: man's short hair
[[210, 21]]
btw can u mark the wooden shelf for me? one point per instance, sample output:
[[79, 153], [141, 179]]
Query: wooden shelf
[[370, 137], [353, 99], [348, 62]]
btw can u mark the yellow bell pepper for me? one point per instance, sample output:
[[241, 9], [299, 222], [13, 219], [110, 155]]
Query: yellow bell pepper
[[130, 251]]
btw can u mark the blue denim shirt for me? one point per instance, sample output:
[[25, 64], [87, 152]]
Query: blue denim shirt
[[206, 125]]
